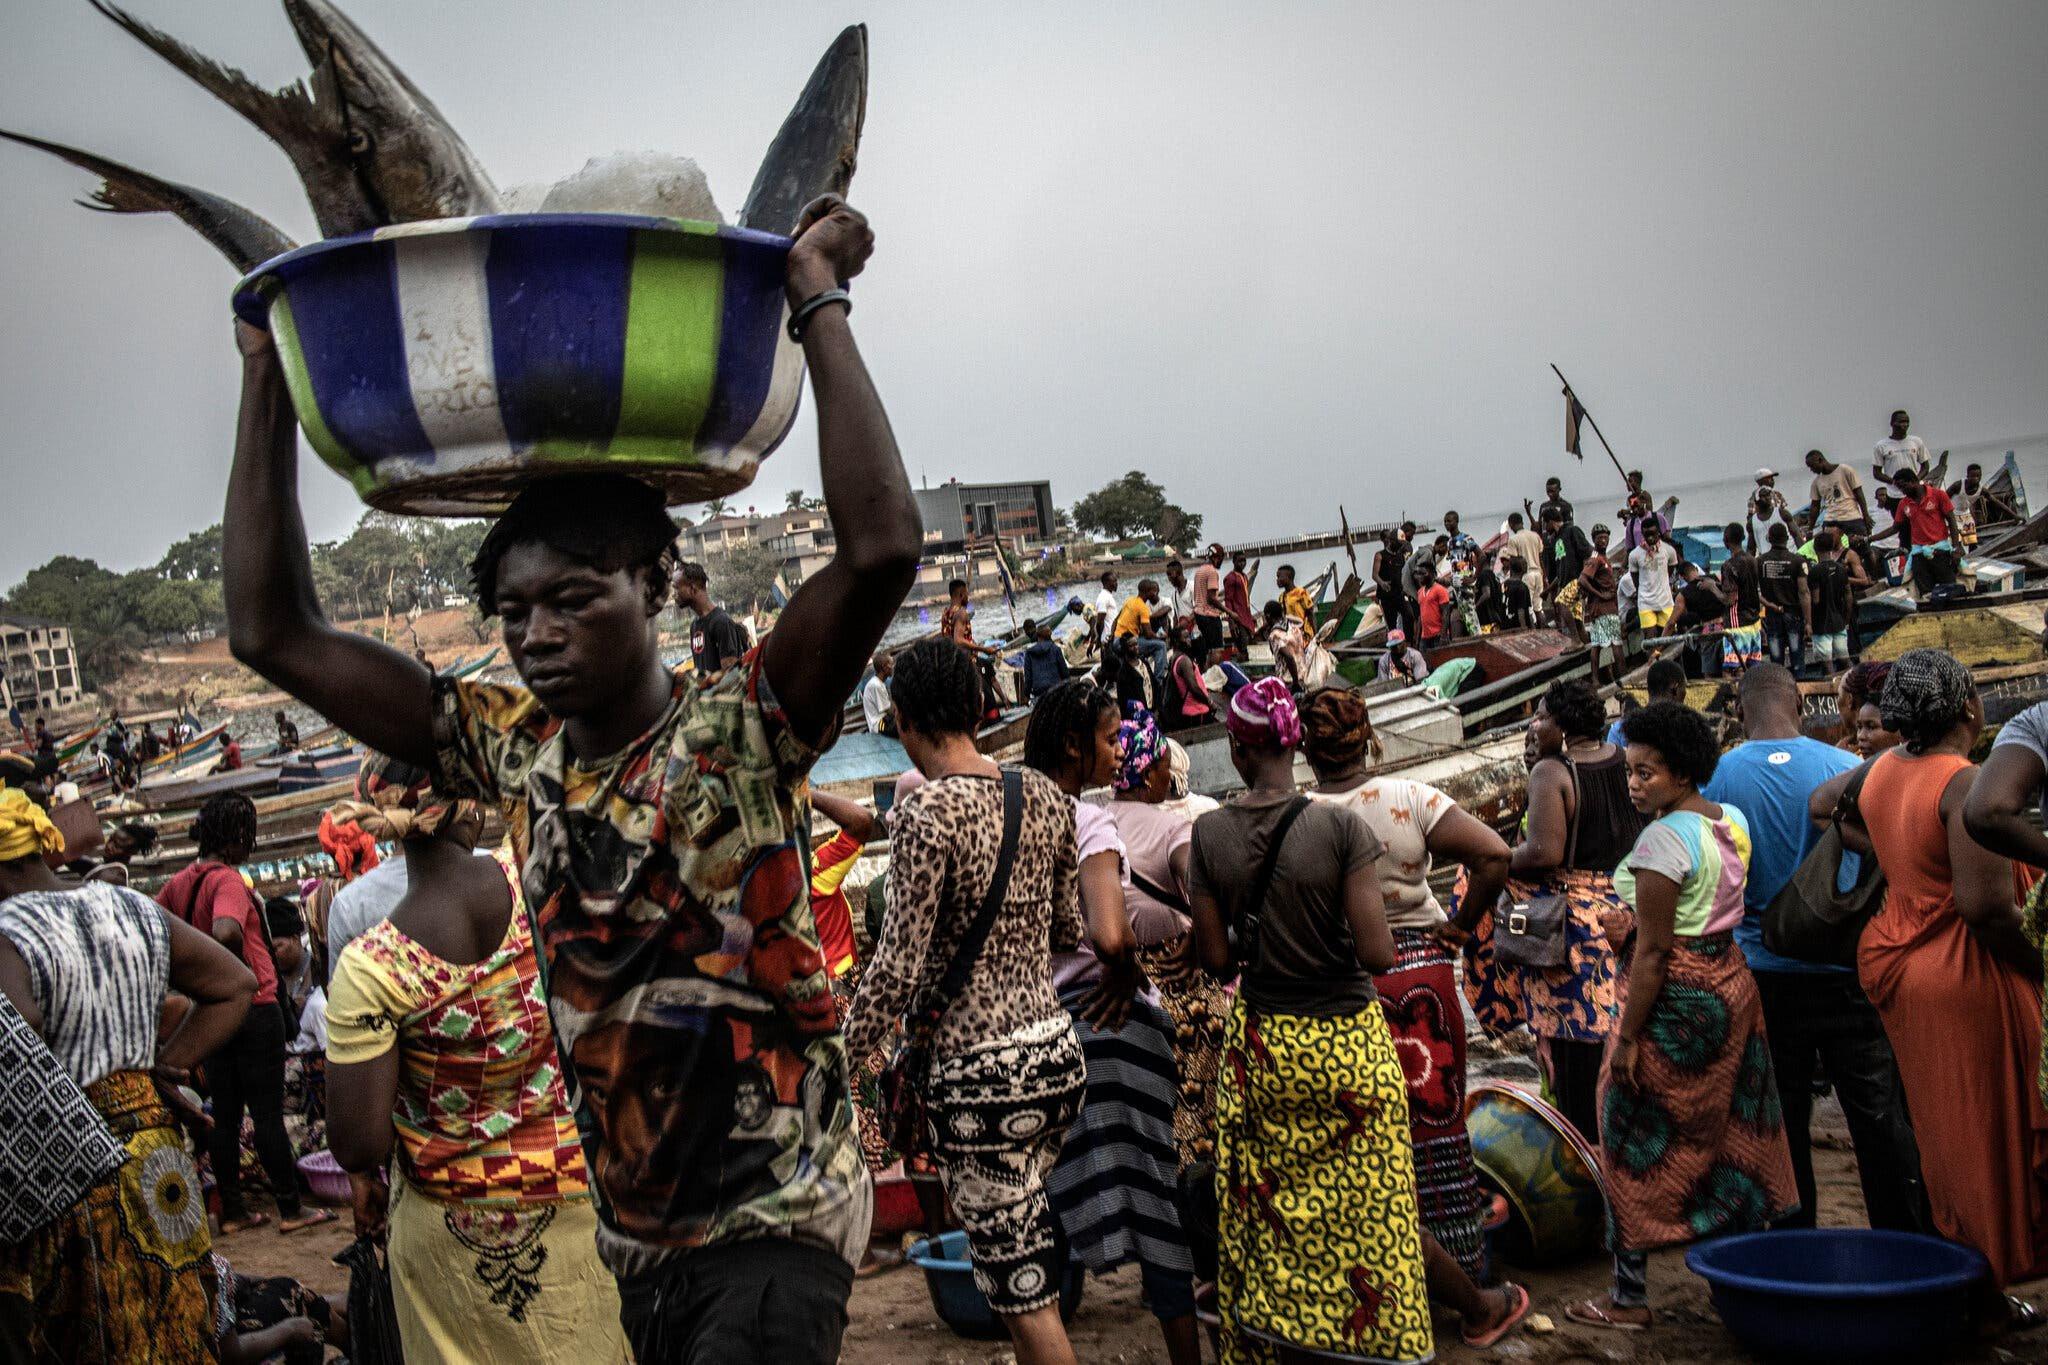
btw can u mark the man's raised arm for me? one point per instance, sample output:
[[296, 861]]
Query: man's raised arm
[[275, 624], [818, 650]]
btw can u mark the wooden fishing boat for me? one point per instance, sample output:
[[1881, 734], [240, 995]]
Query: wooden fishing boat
[[165, 762], [75, 745], [1412, 723], [309, 771], [196, 791]]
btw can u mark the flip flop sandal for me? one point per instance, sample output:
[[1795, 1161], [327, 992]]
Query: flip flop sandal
[[1590, 1314], [2021, 1316], [1519, 1298], [311, 1220]]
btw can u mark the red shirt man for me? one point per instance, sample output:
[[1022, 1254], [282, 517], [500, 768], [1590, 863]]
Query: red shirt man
[[1926, 513], [204, 891], [1431, 602], [1237, 596]]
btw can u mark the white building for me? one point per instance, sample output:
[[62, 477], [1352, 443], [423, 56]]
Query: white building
[[38, 665]]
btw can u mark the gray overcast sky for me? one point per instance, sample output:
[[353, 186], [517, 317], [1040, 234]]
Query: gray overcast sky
[[1275, 255]]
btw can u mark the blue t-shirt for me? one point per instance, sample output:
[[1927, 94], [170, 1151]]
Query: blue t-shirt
[[1769, 780], [1615, 736]]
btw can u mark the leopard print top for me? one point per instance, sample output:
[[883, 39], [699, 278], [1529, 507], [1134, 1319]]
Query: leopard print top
[[943, 840]]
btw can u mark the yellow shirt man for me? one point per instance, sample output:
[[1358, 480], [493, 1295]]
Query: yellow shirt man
[[1298, 602], [1134, 613]]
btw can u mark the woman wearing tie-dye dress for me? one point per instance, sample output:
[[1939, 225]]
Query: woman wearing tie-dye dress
[[105, 1258]]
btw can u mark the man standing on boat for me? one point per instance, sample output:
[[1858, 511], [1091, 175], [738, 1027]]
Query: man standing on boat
[[1838, 499], [1565, 549], [1925, 521], [1208, 604], [1553, 500], [656, 823], [1105, 608], [1900, 450]]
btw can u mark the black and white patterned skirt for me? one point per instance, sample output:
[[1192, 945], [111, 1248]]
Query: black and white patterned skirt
[[999, 1114]]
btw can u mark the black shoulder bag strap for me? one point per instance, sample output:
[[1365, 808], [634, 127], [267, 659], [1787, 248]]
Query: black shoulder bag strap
[[1251, 918], [1159, 893], [1576, 813], [940, 998]]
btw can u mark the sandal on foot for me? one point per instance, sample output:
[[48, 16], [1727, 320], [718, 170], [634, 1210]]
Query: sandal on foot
[[880, 1261], [1588, 1313], [230, 1226], [2021, 1316], [311, 1219], [1518, 1308]]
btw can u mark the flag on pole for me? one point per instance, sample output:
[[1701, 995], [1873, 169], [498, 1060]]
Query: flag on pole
[[1572, 413]]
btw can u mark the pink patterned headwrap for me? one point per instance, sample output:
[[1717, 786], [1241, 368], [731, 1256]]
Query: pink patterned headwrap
[[1263, 713]]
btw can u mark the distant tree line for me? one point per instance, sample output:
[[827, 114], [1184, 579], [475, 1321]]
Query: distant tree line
[[387, 565]]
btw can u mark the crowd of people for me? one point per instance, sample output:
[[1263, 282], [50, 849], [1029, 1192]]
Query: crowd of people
[[621, 1088]]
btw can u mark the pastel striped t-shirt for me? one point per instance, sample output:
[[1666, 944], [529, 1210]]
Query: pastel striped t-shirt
[[1709, 859]]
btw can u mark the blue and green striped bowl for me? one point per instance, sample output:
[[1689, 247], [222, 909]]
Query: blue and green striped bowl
[[441, 366]]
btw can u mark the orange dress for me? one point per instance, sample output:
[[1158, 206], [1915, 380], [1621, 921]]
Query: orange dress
[[1965, 1026]]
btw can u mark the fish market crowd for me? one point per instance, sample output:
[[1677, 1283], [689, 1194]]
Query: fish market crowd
[[658, 1077]]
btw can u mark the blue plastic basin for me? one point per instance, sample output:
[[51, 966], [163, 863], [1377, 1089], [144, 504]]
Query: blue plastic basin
[[1840, 1293], [959, 1302]]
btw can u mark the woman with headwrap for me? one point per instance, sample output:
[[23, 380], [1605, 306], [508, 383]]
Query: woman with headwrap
[[104, 1251], [1321, 1241], [1114, 1187], [1951, 971], [1416, 824], [1156, 837], [342, 835], [442, 1066]]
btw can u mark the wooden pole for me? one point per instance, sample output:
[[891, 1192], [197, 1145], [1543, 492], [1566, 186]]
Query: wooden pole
[[1588, 415]]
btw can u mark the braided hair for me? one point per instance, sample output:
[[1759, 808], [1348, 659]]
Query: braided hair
[[936, 689], [225, 823], [1069, 713], [607, 521]]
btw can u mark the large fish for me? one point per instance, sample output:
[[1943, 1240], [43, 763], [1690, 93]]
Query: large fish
[[369, 148], [245, 238], [816, 149]]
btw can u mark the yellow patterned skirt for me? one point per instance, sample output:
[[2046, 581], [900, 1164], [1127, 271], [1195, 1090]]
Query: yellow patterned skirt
[[1321, 1243], [126, 1277], [522, 1283]]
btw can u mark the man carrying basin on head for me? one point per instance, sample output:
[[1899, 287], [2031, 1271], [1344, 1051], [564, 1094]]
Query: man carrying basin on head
[[659, 834]]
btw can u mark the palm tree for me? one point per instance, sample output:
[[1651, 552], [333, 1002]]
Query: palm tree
[[715, 508], [794, 499]]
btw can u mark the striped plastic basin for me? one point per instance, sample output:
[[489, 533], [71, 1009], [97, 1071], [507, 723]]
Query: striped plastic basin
[[441, 366]]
